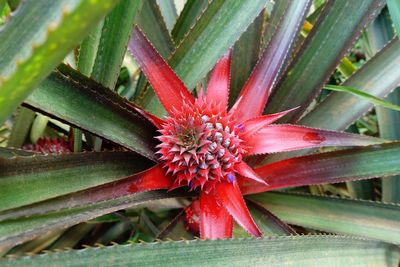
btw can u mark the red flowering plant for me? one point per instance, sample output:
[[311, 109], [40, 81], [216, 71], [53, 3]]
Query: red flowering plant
[[215, 157], [203, 145]]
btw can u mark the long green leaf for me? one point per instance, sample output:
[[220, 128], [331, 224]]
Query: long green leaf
[[379, 76], [21, 127], [374, 38], [71, 97], [14, 232], [85, 60], [12, 152], [245, 56], [26, 180], [113, 42], [369, 219], [191, 11], [388, 128], [394, 9], [307, 251], [333, 35], [37, 38], [216, 30], [168, 11], [151, 21], [363, 95], [377, 35], [269, 224], [88, 49], [330, 167], [214, 33]]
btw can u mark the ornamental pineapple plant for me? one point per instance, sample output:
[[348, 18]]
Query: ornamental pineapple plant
[[243, 127]]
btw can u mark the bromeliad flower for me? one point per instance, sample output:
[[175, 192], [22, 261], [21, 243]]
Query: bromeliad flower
[[50, 146], [203, 144]]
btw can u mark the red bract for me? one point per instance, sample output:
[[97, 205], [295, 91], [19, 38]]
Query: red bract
[[203, 144], [49, 146]]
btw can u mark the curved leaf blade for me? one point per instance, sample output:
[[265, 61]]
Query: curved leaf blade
[[278, 251], [186, 20], [379, 76], [14, 232], [363, 95], [394, 9], [286, 137], [69, 96], [338, 27], [378, 34], [369, 219], [26, 180], [330, 167], [170, 90], [46, 31], [257, 89], [112, 45], [217, 29]]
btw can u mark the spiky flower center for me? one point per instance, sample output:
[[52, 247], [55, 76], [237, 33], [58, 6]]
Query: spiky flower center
[[200, 145]]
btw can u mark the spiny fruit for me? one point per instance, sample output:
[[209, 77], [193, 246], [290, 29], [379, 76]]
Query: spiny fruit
[[200, 145]]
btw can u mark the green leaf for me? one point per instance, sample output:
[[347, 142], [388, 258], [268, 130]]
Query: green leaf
[[377, 35], [339, 25], [361, 189], [115, 34], [269, 224], [152, 24], [307, 251], [13, 4], [394, 9], [187, 19], [379, 76], [369, 219], [88, 49], [85, 60], [12, 152], [388, 122], [150, 20], [216, 30], [363, 95], [330, 167], [72, 97], [214, 33], [21, 127], [38, 127], [176, 229], [13, 232], [38, 37], [168, 12], [245, 56], [26, 180]]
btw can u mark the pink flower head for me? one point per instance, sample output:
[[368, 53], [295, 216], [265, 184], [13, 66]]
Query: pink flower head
[[203, 144]]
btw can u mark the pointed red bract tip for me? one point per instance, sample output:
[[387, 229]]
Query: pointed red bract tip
[[246, 171], [151, 179], [286, 137], [156, 121], [252, 126], [215, 221], [169, 88], [218, 85], [229, 196]]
